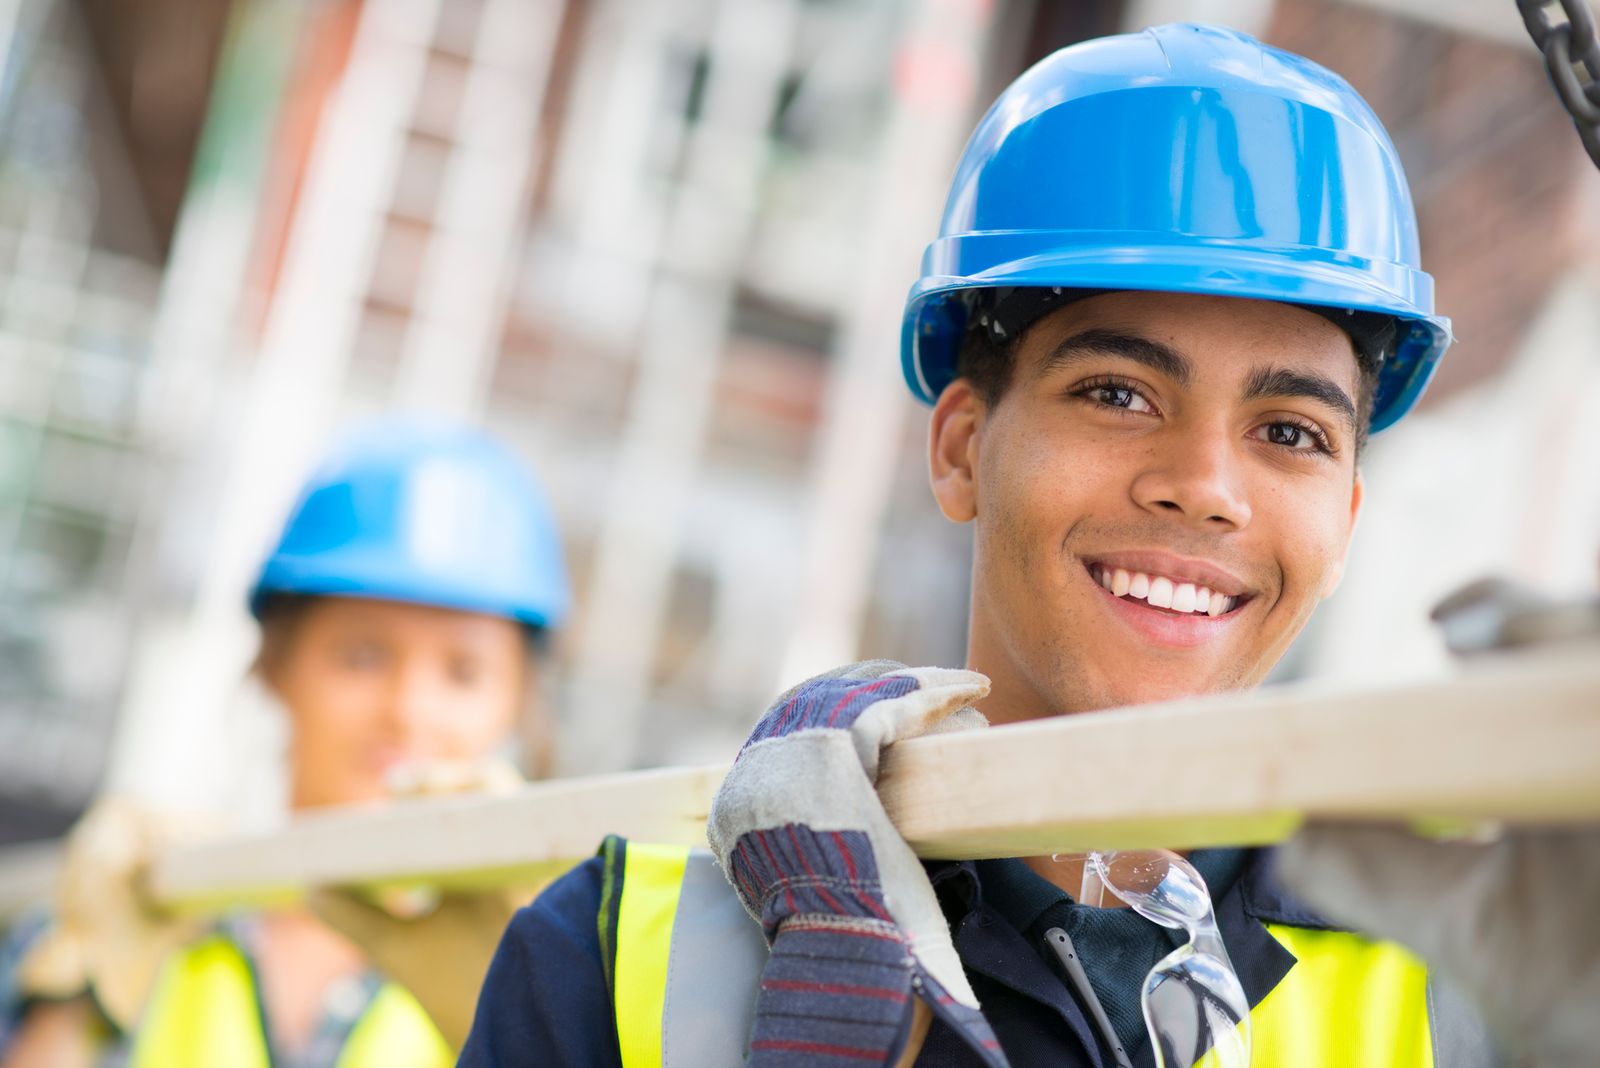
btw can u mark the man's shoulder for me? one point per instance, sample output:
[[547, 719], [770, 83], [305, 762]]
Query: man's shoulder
[[569, 904], [1266, 899], [546, 998]]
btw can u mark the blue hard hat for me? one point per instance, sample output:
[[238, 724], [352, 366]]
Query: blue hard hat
[[1188, 159], [427, 513]]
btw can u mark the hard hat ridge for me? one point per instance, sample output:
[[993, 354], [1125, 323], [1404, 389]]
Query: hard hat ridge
[[1181, 159]]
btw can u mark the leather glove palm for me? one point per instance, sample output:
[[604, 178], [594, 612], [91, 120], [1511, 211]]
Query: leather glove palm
[[106, 937], [437, 946], [441, 956]]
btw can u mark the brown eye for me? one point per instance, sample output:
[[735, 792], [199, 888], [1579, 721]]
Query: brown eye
[[362, 656], [1288, 434], [465, 671], [1116, 395], [1294, 437]]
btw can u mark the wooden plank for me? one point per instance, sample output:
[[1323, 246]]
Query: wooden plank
[[526, 837], [1514, 739]]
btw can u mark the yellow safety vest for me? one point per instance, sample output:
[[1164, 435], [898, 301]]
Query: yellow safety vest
[[687, 963], [205, 1013]]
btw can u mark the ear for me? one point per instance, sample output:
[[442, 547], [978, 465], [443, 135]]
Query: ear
[[953, 436], [268, 667], [1335, 576]]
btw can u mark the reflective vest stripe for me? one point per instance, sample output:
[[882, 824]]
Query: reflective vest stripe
[[712, 935], [693, 1002], [1460, 1038], [651, 886], [204, 1011]]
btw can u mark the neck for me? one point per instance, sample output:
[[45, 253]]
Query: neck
[[298, 958], [1066, 870], [1013, 695], [305, 795], [1013, 698]]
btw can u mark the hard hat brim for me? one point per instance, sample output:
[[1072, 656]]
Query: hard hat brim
[[539, 608], [935, 317]]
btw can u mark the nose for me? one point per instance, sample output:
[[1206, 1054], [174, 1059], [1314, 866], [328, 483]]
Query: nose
[[413, 701], [1198, 478]]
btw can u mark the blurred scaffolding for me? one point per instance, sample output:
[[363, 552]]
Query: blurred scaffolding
[[660, 246], [79, 274]]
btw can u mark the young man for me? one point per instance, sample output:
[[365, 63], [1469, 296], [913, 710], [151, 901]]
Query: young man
[[1176, 285]]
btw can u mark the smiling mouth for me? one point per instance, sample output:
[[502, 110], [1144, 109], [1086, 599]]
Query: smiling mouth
[[1167, 595]]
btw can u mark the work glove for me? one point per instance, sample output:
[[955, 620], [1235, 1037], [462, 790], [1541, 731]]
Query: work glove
[[856, 932], [106, 937], [437, 946], [1510, 922], [440, 955]]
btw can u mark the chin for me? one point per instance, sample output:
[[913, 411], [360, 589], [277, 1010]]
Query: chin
[[1154, 690], [364, 792]]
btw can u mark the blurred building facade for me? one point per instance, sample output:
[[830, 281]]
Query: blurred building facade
[[79, 277], [661, 248]]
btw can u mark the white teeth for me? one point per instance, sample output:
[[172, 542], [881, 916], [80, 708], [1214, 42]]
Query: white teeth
[[1163, 592], [1183, 598]]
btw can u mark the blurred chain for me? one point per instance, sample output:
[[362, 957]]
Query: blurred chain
[[1567, 47]]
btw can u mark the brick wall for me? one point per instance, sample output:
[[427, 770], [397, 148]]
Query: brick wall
[[1494, 164]]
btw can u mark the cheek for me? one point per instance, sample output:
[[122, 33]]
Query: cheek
[[1310, 530], [480, 720], [330, 708], [1037, 488]]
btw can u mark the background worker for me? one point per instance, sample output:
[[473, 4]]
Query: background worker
[[402, 614], [1176, 285]]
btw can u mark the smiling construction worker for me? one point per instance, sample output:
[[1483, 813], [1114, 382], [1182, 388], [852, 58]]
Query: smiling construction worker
[[1176, 285]]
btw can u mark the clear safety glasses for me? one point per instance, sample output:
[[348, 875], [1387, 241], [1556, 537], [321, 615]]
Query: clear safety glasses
[[1194, 1007]]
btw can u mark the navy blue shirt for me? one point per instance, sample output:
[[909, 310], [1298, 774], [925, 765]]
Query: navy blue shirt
[[545, 1000], [1116, 946]]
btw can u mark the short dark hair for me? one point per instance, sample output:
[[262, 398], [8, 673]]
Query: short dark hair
[[987, 355]]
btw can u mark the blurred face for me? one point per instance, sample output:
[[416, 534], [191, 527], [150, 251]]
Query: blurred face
[[1162, 495], [371, 685]]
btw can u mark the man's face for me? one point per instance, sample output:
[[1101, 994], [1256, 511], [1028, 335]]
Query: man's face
[[1194, 454]]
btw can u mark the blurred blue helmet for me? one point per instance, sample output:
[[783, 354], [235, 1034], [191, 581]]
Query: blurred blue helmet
[[1188, 159], [426, 513]]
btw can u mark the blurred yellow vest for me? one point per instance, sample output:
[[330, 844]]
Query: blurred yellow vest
[[205, 1012]]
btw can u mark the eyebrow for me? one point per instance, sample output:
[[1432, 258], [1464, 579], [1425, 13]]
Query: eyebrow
[[1267, 382], [1264, 382], [1160, 358]]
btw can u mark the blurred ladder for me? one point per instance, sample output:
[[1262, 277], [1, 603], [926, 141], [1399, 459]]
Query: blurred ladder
[[171, 744]]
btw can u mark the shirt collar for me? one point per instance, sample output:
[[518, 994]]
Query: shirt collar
[[1012, 889], [1254, 899]]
